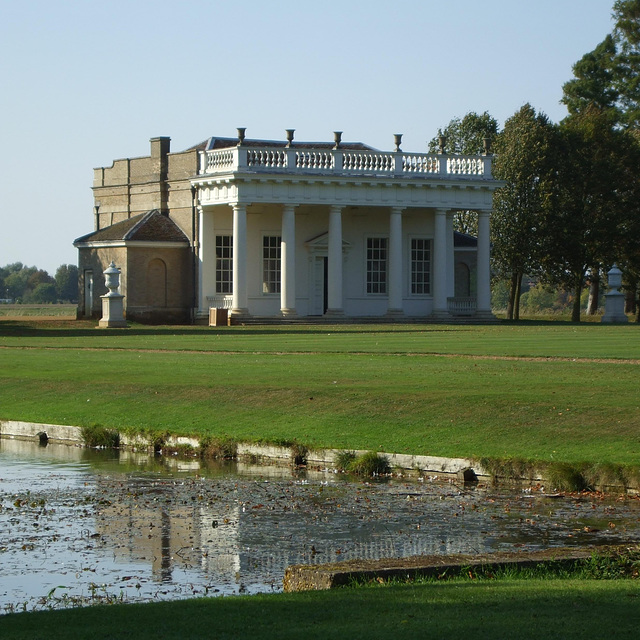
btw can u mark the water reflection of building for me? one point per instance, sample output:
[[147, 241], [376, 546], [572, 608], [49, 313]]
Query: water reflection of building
[[235, 541], [172, 537]]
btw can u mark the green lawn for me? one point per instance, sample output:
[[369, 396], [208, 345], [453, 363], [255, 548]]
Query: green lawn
[[546, 391], [566, 609]]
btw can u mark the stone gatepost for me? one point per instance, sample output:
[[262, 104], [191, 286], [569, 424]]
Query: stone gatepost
[[614, 299], [112, 302]]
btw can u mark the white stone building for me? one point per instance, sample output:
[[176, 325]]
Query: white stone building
[[280, 229]]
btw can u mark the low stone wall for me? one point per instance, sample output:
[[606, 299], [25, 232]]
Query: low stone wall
[[32, 431], [322, 457], [328, 576]]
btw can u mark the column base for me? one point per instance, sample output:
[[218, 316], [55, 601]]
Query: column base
[[394, 313], [441, 314], [112, 324], [239, 313], [288, 313], [484, 315], [334, 313]]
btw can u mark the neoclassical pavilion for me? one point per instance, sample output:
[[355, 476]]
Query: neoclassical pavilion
[[279, 229], [340, 230]]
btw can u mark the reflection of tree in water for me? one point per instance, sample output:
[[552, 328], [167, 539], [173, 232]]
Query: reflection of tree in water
[[165, 546]]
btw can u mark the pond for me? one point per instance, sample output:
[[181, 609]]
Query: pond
[[79, 526]]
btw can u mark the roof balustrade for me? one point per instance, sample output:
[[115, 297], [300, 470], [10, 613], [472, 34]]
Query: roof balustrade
[[343, 162]]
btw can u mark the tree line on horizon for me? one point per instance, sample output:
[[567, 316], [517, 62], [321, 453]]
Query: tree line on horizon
[[570, 206], [30, 285]]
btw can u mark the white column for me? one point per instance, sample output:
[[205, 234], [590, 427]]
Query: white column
[[288, 262], [239, 260], [334, 266], [483, 307], [451, 261], [440, 309], [206, 260], [395, 262]]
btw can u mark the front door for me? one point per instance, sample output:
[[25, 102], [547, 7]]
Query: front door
[[319, 300]]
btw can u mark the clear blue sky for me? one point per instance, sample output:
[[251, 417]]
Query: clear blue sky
[[85, 82]]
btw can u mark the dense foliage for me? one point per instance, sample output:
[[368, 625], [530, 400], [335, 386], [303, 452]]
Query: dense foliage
[[30, 285]]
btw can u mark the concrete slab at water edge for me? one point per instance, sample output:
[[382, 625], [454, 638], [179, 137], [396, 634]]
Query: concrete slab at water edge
[[73, 435], [57, 433], [336, 574]]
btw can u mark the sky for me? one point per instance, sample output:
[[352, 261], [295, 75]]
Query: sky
[[86, 82]]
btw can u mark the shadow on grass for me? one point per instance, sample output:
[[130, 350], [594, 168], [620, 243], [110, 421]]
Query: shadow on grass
[[83, 328]]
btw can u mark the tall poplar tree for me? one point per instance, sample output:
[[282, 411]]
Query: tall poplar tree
[[525, 161], [627, 62]]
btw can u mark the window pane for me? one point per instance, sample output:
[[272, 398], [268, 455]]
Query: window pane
[[271, 264], [224, 264], [376, 265], [420, 266]]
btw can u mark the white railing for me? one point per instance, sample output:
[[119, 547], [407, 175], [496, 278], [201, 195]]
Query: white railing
[[421, 163], [461, 306], [266, 158], [465, 165], [220, 302], [367, 162], [344, 162], [314, 159]]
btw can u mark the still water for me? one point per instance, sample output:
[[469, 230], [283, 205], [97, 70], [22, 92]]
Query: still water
[[80, 526]]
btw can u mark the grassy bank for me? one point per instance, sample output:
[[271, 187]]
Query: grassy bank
[[547, 391], [559, 608]]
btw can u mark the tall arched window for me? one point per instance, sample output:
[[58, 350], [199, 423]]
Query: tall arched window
[[157, 283]]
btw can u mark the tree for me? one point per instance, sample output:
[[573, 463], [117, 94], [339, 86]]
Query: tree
[[609, 76], [466, 136], [16, 283], [525, 160], [594, 82], [43, 293], [627, 63], [66, 279], [585, 217]]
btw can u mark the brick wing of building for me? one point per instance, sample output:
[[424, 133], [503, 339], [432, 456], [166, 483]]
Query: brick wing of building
[[277, 229]]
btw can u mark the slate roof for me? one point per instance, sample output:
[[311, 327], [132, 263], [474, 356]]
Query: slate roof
[[145, 227], [227, 143], [464, 240]]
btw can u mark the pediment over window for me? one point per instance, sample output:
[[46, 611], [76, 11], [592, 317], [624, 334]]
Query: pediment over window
[[319, 245]]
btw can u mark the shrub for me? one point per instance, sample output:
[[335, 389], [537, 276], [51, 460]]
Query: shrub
[[224, 448], [563, 476], [299, 453], [99, 436], [370, 464], [344, 460]]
